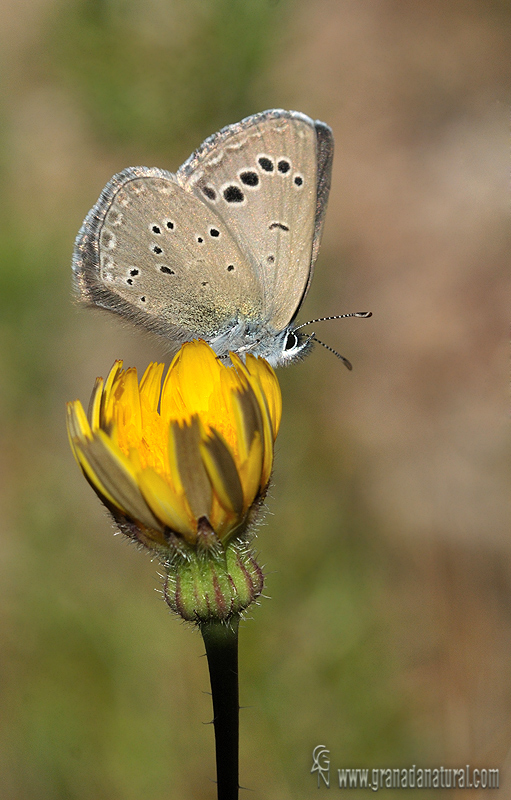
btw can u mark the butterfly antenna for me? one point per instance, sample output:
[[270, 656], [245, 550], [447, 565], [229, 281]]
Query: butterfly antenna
[[361, 314], [344, 360]]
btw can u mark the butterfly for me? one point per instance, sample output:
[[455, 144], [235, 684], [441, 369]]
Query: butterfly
[[223, 249]]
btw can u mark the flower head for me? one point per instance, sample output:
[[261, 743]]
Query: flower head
[[182, 467]]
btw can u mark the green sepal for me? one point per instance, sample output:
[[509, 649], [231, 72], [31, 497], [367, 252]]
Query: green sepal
[[213, 585]]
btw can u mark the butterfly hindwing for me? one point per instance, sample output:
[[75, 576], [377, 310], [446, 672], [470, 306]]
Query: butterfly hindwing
[[154, 253]]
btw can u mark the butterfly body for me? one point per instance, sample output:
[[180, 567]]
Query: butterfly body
[[223, 249]]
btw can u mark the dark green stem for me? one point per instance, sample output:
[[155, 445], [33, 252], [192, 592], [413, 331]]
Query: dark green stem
[[221, 640]]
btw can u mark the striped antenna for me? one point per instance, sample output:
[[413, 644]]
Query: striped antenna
[[344, 360], [361, 314]]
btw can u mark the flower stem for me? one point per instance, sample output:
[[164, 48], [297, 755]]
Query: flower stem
[[221, 640]]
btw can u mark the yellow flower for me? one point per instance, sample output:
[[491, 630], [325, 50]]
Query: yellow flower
[[183, 468], [199, 449]]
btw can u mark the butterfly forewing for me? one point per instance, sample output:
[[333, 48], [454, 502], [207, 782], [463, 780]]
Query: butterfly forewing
[[261, 176]]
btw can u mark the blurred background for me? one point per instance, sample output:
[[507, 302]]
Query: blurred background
[[387, 635]]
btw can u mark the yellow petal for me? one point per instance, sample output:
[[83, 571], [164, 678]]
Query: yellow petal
[[94, 411], [248, 419], [110, 471], [270, 386], [166, 504], [150, 386], [265, 415], [250, 472], [222, 472], [93, 478], [185, 460], [109, 399], [196, 375], [131, 400], [171, 402], [77, 422], [73, 431], [113, 375]]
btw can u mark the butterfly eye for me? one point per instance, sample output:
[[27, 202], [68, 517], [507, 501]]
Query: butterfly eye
[[291, 341]]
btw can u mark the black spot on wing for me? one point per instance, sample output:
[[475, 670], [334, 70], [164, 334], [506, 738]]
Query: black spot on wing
[[209, 192], [249, 178], [266, 164], [233, 194]]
